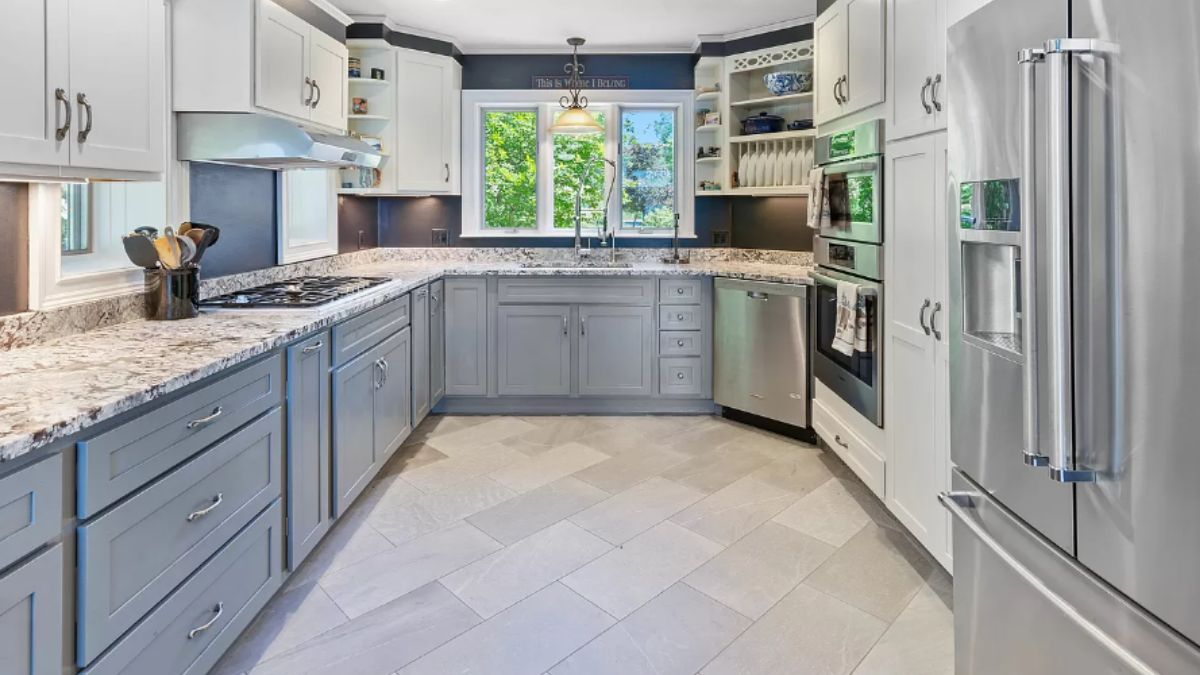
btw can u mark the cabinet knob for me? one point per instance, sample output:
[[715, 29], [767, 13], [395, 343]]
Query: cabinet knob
[[679, 291], [679, 317], [679, 375], [679, 342]]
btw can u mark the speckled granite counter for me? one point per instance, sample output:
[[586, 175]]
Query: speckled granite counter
[[53, 390]]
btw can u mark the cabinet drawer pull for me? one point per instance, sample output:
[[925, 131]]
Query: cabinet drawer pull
[[679, 342], [87, 126], [208, 509], [837, 438], [925, 96], [679, 291], [218, 611], [679, 375], [61, 132], [379, 369], [314, 347], [447, 172], [317, 88], [205, 421], [679, 317], [933, 92], [937, 334], [311, 92], [582, 326], [564, 326]]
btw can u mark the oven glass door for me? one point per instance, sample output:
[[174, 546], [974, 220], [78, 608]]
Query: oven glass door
[[860, 365], [855, 205]]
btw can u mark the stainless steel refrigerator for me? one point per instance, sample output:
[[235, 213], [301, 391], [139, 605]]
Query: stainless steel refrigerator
[[1074, 140]]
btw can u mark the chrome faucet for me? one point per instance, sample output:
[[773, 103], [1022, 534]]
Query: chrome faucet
[[603, 234]]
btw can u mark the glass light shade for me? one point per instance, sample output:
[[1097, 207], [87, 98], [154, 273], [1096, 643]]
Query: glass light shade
[[576, 121]]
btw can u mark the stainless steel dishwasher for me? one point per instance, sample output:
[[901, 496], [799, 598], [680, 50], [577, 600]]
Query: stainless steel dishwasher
[[762, 350]]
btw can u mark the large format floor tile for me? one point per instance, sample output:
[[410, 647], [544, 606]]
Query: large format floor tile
[[762, 567], [807, 633], [509, 575], [478, 435], [547, 467], [437, 476], [628, 577], [878, 571], [525, 514], [433, 512], [713, 470], [673, 634], [920, 642], [527, 638], [626, 515], [831, 513], [734, 511], [294, 618], [365, 585], [630, 468]]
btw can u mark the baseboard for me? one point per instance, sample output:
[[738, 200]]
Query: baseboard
[[559, 405]]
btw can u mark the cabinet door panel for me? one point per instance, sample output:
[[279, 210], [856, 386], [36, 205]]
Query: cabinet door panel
[[865, 42], [466, 337], [420, 354], [423, 122], [281, 62], [534, 350], [393, 398], [31, 616], [308, 444], [616, 346], [117, 52], [33, 63], [912, 36], [830, 61], [327, 66], [354, 460], [437, 343]]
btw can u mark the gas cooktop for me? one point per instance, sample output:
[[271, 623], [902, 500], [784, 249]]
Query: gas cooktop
[[298, 292]]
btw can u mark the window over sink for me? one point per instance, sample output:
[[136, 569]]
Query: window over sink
[[519, 180]]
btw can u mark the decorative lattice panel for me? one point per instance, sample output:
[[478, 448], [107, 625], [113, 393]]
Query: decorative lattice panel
[[769, 57]]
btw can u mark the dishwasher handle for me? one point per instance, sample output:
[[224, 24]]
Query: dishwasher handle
[[757, 295]]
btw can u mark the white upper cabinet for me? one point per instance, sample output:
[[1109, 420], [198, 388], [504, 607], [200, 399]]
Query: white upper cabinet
[[916, 69], [296, 70], [428, 103], [850, 38], [84, 87]]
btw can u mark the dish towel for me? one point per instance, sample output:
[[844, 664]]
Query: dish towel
[[818, 199], [852, 326]]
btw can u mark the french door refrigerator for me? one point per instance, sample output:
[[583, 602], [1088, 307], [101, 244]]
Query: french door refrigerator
[[1074, 140]]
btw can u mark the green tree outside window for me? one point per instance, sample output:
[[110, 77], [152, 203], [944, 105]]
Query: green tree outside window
[[510, 169], [648, 169], [572, 154]]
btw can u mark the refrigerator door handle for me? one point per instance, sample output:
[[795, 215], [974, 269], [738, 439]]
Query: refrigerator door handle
[[1029, 60], [1059, 53], [958, 502]]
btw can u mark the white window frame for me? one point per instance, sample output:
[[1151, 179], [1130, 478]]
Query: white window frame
[[476, 102], [300, 210]]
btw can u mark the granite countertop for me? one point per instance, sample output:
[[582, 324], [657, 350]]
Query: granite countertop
[[54, 390]]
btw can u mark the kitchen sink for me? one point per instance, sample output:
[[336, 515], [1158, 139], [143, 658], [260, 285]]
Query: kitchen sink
[[576, 264]]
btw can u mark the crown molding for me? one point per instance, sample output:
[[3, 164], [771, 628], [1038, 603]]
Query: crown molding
[[337, 14], [398, 28], [751, 32], [583, 51]]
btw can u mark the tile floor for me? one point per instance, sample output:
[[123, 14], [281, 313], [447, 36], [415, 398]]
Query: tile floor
[[608, 546]]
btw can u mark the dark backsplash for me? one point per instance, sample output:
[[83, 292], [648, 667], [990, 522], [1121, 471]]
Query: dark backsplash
[[241, 201]]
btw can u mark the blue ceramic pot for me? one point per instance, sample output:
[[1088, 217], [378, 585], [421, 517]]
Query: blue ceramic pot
[[788, 82]]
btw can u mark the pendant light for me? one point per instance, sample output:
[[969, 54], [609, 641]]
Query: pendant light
[[575, 120]]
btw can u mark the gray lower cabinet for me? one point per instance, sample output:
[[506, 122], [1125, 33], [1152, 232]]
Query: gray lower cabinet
[[616, 350], [533, 350], [420, 354], [437, 342], [31, 507], [466, 336], [31, 616], [135, 554], [309, 461], [189, 631], [372, 415]]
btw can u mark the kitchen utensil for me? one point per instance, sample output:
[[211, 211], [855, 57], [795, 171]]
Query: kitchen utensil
[[187, 250], [205, 226], [762, 123], [168, 249], [786, 82], [207, 238], [141, 250]]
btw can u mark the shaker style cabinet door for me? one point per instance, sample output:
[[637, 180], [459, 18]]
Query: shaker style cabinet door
[[912, 43], [308, 446], [420, 354], [865, 40], [31, 616], [437, 342], [426, 129], [281, 62], [466, 336], [354, 457], [117, 53], [33, 65], [830, 62], [327, 66], [533, 350], [616, 349], [393, 397]]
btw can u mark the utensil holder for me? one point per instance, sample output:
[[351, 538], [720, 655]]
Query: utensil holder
[[173, 294]]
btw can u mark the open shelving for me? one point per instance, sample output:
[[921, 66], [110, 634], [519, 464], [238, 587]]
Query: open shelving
[[379, 124]]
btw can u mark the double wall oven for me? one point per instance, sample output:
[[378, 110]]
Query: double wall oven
[[849, 247]]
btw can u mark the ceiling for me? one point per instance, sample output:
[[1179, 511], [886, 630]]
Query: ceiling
[[609, 25]]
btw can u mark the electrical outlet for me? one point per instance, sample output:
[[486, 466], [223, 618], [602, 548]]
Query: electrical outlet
[[440, 237], [720, 238], [362, 239]]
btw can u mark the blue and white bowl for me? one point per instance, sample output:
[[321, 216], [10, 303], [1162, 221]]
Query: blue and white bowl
[[788, 82]]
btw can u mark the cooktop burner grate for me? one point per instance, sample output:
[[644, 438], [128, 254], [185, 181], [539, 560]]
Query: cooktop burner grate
[[298, 292]]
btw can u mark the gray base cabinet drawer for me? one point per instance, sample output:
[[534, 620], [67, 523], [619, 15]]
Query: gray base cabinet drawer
[[187, 633], [576, 290], [680, 317], [679, 343], [358, 334], [133, 556], [680, 290], [127, 457], [31, 506], [31, 616], [680, 377]]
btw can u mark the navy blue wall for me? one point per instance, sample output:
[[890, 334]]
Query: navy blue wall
[[516, 71], [240, 201]]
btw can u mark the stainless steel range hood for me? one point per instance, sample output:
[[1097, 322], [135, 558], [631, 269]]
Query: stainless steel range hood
[[265, 142]]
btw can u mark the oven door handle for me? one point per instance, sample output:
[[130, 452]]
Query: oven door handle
[[841, 169], [824, 280]]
